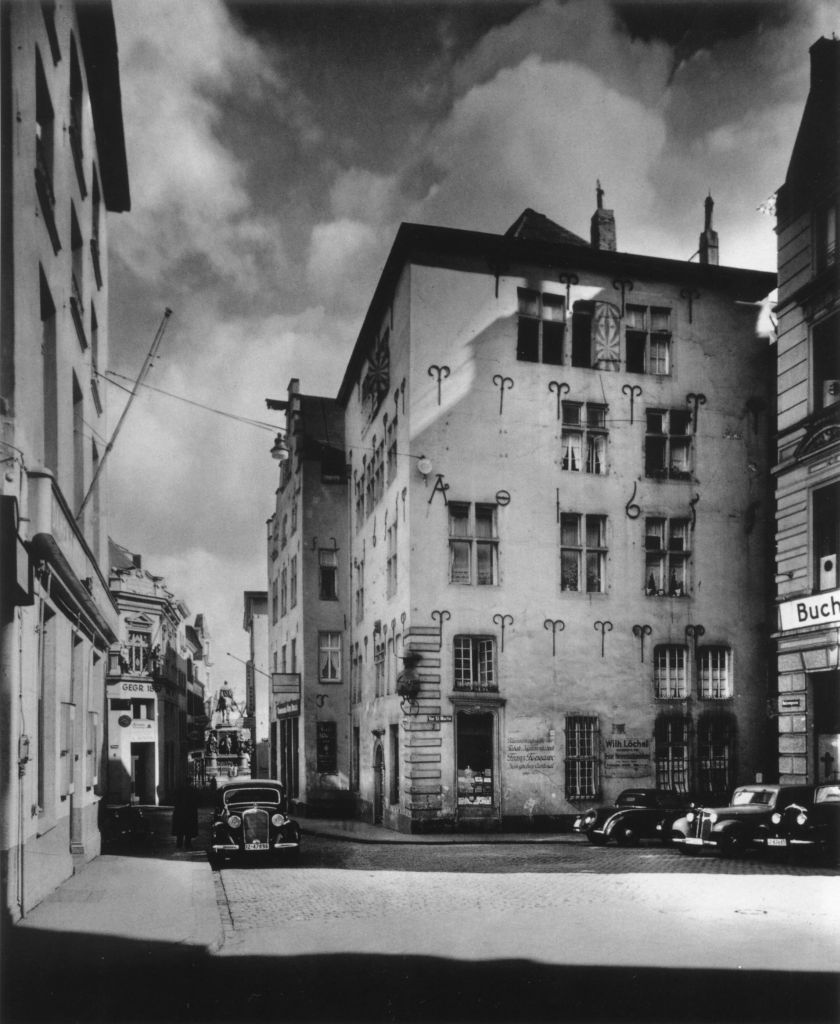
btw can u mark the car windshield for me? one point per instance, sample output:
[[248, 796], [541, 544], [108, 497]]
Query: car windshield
[[827, 795], [253, 796], [741, 797]]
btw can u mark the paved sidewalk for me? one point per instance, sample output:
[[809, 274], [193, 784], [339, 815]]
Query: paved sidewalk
[[154, 892]]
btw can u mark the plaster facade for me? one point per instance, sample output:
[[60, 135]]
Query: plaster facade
[[63, 170], [807, 457], [307, 574], [559, 511]]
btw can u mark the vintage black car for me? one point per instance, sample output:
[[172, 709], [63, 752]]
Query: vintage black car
[[637, 814], [250, 819], [809, 827], [735, 828]]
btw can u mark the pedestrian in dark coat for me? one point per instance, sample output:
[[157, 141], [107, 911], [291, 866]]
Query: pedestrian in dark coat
[[185, 815]]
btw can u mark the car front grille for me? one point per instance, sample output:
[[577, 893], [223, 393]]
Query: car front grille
[[255, 825]]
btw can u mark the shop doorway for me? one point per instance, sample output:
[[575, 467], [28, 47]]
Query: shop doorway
[[143, 773], [378, 784], [475, 739], [826, 694]]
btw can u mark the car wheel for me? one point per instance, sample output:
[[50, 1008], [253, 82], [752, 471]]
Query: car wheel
[[626, 836], [731, 844]]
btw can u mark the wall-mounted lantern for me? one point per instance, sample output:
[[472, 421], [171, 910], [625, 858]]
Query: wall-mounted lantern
[[280, 449]]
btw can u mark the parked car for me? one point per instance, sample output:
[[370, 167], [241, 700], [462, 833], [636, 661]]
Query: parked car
[[637, 814], [812, 826], [735, 828], [249, 819]]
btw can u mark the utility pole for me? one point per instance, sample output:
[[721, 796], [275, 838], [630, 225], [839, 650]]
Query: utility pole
[[147, 365]]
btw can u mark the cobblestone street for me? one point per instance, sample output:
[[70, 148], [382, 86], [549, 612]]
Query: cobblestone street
[[557, 903]]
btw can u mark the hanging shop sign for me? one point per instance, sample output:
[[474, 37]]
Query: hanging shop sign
[[817, 610]]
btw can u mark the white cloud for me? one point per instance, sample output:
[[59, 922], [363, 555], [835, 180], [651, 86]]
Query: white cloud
[[190, 196]]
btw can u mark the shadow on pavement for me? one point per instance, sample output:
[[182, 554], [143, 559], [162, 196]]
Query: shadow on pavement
[[62, 977]]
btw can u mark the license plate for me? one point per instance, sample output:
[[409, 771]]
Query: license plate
[[773, 841], [693, 841], [256, 846]]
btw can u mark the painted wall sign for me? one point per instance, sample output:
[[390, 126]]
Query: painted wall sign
[[289, 707], [790, 703], [327, 748], [627, 755], [438, 718], [817, 610], [135, 688], [531, 754]]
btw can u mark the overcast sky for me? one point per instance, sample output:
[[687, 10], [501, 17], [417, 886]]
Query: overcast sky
[[274, 149]]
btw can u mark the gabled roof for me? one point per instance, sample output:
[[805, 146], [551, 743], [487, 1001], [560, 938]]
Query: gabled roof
[[536, 227]]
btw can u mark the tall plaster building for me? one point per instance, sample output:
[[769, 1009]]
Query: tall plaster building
[[155, 685], [807, 466], [63, 169], [307, 626], [558, 526]]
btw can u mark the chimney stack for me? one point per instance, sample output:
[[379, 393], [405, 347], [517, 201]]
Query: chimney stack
[[709, 238], [602, 225]]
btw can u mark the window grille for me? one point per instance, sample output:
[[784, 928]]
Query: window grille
[[714, 668], [475, 663], [582, 757], [671, 753], [714, 756], [669, 671]]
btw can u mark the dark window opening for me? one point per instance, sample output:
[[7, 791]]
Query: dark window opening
[[582, 334]]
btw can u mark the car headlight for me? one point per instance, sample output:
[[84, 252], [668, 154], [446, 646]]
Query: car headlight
[[589, 818], [690, 816], [278, 819], [801, 818], [234, 821], [776, 818], [712, 817]]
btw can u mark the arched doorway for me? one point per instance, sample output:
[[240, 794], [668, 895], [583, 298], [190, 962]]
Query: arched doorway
[[378, 783]]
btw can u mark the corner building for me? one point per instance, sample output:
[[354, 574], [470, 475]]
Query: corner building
[[558, 526], [807, 467]]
